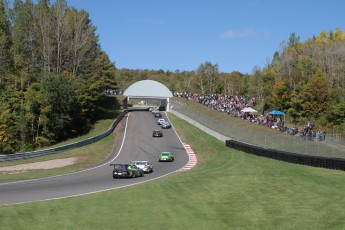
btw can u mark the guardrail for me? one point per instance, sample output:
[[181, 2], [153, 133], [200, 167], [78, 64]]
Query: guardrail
[[315, 161], [296, 158], [26, 155]]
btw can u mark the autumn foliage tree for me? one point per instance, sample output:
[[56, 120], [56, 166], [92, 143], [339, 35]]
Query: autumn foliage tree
[[310, 79], [53, 74]]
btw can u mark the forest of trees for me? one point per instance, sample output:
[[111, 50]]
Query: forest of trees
[[310, 79], [53, 75], [305, 80]]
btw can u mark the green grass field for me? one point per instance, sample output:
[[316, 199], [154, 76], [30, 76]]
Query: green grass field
[[227, 189]]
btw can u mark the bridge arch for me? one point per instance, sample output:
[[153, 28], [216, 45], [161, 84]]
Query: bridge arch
[[146, 94]]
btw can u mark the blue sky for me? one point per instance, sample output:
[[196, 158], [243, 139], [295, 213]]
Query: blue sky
[[182, 34]]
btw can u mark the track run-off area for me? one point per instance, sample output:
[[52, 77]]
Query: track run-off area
[[137, 144]]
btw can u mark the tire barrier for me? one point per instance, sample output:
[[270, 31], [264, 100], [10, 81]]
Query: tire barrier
[[38, 153], [315, 161]]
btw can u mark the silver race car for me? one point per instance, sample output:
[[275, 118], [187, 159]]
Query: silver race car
[[146, 166]]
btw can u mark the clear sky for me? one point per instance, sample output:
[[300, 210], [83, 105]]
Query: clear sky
[[182, 34]]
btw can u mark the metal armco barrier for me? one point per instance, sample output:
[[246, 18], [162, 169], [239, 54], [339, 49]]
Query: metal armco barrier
[[26, 155], [315, 161]]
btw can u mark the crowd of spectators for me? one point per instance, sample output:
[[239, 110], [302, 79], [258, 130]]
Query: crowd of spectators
[[234, 105]]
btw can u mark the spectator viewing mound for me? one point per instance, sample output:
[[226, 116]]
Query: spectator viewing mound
[[256, 128]]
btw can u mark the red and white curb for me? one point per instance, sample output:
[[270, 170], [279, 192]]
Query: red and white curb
[[192, 158]]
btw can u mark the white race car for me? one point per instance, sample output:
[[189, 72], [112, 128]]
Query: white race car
[[146, 166], [166, 125], [160, 121]]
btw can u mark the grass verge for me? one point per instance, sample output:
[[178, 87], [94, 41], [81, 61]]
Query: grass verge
[[228, 189], [87, 155]]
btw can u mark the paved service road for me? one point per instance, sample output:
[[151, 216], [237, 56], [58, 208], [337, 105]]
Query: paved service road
[[138, 144]]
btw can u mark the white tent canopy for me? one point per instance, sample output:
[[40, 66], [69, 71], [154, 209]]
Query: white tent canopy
[[249, 110]]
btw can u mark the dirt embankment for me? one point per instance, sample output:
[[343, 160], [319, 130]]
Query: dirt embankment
[[50, 164]]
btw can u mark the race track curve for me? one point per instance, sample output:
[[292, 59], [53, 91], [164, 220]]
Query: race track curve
[[137, 144]]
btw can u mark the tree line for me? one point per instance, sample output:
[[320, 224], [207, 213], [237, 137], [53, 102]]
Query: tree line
[[53, 73], [306, 80]]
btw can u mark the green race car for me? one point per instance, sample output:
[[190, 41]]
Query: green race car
[[166, 156]]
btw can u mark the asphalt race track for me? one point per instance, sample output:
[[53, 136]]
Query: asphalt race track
[[137, 144]]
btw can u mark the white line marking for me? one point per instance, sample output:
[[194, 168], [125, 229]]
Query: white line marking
[[108, 162]]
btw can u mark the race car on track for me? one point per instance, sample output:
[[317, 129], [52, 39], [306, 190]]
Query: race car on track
[[166, 125], [126, 171], [160, 120], [158, 114], [154, 111], [166, 156], [146, 166], [157, 133]]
